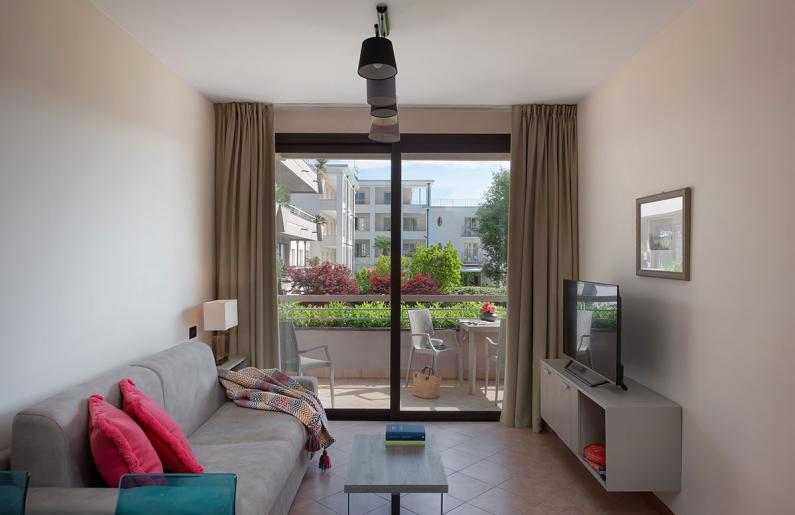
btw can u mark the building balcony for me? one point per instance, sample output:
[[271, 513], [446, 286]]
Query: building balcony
[[296, 176], [470, 232], [293, 223], [356, 330]]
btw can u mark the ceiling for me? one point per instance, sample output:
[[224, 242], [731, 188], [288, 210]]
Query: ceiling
[[449, 52]]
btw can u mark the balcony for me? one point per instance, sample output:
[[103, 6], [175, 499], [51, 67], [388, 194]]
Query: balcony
[[356, 330], [293, 223], [470, 232], [297, 176], [471, 259]]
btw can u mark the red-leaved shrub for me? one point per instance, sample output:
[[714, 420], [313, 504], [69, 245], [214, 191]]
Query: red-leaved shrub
[[421, 284], [324, 278]]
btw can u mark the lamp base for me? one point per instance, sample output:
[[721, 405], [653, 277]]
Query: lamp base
[[221, 346]]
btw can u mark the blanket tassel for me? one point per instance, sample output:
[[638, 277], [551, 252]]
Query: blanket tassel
[[324, 462]]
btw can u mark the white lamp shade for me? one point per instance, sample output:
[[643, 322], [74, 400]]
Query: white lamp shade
[[220, 315]]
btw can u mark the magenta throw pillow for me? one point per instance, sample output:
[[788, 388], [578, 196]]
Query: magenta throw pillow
[[118, 444], [163, 431]]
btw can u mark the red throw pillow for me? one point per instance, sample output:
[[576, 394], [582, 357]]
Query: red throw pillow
[[118, 445], [165, 434]]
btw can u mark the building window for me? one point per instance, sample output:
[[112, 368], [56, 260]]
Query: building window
[[471, 252], [471, 226], [409, 224], [409, 248], [387, 223], [439, 221], [361, 224], [387, 197], [360, 198], [362, 250]]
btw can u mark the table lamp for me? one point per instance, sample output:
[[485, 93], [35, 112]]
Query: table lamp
[[219, 317]]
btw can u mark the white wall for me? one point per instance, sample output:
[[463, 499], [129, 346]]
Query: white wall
[[707, 104], [106, 199]]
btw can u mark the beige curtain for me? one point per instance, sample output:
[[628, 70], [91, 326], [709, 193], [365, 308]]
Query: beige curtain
[[542, 248], [245, 226]]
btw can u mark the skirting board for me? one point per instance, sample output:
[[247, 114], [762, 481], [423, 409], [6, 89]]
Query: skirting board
[[658, 505]]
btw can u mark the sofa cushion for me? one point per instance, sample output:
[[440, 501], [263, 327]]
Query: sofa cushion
[[162, 431], [50, 439], [191, 392], [233, 424], [262, 469], [118, 444]]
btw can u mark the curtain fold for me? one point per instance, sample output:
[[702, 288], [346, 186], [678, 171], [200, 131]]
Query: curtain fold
[[245, 227], [542, 248]]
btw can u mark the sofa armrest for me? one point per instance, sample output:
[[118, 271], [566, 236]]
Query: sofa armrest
[[71, 501], [308, 382]]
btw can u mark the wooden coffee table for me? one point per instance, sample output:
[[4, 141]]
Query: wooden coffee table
[[375, 468]]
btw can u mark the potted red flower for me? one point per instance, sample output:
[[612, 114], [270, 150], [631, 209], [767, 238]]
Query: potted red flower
[[488, 312]]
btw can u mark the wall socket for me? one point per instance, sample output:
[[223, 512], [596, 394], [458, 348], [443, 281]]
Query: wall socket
[[192, 332]]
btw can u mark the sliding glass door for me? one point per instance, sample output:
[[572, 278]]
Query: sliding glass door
[[376, 240]]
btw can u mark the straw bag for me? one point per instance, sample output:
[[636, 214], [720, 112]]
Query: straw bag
[[425, 385]]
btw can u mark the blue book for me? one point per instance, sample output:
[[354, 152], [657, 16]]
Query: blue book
[[405, 432]]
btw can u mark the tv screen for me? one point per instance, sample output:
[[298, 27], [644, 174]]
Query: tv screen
[[592, 327]]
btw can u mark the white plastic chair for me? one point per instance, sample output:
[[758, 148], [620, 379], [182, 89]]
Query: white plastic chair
[[423, 342], [495, 351]]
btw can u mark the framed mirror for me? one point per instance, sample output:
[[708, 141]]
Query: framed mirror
[[662, 235]]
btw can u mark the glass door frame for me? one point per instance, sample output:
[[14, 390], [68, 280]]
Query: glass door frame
[[413, 144]]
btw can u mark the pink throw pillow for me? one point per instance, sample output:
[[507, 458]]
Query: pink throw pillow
[[118, 445], [165, 434]]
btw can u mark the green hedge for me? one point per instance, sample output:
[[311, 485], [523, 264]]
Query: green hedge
[[367, 315]]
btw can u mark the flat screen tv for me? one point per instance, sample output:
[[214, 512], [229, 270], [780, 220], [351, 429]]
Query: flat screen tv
[[592, 331]]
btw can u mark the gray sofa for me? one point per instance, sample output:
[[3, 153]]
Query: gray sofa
[[264, 449]]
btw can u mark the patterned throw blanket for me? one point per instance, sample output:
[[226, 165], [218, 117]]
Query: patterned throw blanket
[[270, 389]]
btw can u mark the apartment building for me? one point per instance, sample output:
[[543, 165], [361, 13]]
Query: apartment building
[[426, 221], [334, 208]]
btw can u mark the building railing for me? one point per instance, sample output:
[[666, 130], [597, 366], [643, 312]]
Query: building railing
[[471, 259], [301, 213], [470, 232], [455, 202]]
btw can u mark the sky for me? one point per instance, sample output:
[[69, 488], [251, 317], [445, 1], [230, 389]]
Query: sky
[[451, 179]]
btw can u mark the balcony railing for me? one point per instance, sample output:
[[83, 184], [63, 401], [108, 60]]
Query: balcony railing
[[471, 259], [301, 213], [470, 232]]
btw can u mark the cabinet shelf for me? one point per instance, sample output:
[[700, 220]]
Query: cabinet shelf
[[641, 429]]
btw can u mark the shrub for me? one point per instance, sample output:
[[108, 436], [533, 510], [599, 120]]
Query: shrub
[[443, 264], [421, 284], [383, 265], [477, 290], [363, 280], [322, 279]]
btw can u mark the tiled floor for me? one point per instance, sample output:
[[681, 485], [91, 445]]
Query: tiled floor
[[491, 469], [374, 394]]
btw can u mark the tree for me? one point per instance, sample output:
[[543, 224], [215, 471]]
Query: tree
[[321, 165], [492, 217], [324, 278], [363, 280], [442, 264], [384, 244]]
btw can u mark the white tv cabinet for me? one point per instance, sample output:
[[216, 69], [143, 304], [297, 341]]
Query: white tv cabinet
[[641, 429]]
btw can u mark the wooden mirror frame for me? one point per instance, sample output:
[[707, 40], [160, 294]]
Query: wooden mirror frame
[[684, 275]]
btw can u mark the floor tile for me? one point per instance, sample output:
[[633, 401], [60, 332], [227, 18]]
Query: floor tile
[[429, 504], [360, 503], [456, 459], [468, 509], [465, 487], [488, 472]]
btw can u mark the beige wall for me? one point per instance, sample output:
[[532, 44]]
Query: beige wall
[[412, 120], [105, 201], [707, 104]]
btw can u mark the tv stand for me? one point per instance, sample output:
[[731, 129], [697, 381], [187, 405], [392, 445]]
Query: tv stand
[[581, 374], [641, 429]]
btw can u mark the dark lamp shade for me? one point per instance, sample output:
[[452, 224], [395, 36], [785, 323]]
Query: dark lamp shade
[[384, 111], [385, 130], [381, 92], [377, 59]]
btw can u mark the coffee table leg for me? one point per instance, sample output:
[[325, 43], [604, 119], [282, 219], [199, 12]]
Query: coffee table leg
[[442, 504], [395, 504], [349, 504]]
